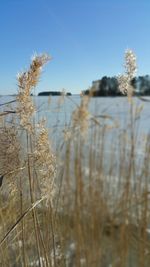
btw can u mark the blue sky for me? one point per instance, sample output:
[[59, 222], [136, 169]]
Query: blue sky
[[86, 38]]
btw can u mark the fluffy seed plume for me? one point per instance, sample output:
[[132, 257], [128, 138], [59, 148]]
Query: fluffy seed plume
[[130, 72], [45, 163], [81, 115], [26, 82]]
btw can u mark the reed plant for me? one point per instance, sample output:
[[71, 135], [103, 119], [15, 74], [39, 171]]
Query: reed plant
[[81, 199]]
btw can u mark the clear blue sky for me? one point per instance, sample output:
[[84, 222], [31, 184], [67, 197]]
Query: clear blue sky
[[86, 38]]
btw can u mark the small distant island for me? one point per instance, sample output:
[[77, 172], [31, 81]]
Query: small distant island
[[108, 86], [53, 93]]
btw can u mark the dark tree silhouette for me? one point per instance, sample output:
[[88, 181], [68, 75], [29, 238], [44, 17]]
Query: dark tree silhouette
[[108, 86]]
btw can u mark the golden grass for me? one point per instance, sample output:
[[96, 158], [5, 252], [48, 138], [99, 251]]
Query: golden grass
[[76, 204]]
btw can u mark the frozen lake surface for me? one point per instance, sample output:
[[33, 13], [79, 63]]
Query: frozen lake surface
[[56, 111]]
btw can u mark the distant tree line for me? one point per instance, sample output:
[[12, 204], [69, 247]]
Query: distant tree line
[[53, 93], [108, 86]]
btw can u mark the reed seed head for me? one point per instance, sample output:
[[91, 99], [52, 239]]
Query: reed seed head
[[130, 71], [26, 82]]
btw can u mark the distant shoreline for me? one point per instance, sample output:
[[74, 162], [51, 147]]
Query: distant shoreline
[[53, 93]]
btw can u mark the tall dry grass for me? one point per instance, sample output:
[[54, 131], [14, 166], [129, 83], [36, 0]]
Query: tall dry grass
[[73, 204]]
